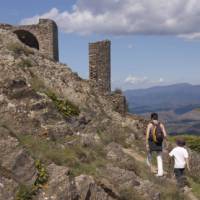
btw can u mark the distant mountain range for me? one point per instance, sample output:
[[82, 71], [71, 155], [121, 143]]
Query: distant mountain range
[[178, 105]]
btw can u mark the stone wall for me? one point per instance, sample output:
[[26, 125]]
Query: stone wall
[[42, 36], [119, 102], [99, 65]]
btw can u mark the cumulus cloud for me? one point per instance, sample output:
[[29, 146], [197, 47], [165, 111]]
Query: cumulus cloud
[[134, 80], [128, 17]]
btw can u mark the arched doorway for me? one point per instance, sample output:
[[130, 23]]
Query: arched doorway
[[27, 38]]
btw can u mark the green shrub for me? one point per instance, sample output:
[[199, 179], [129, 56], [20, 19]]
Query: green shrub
[[66, 107], [42, 175]]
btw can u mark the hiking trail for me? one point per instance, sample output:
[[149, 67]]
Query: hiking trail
[[134, 154]]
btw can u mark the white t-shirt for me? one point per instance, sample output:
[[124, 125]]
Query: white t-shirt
[[179, 154]]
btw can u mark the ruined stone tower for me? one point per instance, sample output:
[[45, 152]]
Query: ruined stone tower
[[100, 74], [42, 36], [99, 65]]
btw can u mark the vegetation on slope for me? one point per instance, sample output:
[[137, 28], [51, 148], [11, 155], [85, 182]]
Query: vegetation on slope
[[66, 107], [193, 142], [80, 159], [27, 192]]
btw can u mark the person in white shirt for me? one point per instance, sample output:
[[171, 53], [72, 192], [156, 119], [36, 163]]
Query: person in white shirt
[[181, 159]]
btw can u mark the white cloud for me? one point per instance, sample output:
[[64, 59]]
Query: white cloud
[[192, 36], [134, 80], [125, 17]]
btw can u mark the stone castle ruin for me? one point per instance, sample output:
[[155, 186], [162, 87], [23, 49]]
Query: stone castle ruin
[[44, 37]]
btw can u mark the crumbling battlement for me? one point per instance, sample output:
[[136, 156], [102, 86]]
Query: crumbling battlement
[[42, 36]]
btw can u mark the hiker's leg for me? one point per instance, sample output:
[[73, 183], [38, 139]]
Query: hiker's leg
[[160, 164], [179, 174], [176, 173], [149, 158], [183, 179]]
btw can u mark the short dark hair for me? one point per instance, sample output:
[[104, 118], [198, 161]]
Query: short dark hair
[[154, 116], [180, 142]]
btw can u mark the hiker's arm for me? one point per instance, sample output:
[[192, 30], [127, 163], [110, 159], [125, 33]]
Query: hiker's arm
[[165, 135], [147, 137], [164, 130], [187, 163]]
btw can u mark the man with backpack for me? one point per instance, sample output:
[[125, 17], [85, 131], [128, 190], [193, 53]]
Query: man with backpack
[[155, 136]]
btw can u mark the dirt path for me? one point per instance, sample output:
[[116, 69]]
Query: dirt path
[[137, 156], [134, 154]]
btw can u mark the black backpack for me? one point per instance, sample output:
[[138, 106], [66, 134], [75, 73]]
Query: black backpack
[[157, 135]]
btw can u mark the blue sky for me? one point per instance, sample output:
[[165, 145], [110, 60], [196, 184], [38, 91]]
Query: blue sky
[[153, 43]]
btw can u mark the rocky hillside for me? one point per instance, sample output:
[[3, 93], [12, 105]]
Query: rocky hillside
[[61, 140]]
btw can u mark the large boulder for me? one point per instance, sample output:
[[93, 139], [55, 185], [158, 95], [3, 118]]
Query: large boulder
[[60, 185], [15, 160], [88, 190]]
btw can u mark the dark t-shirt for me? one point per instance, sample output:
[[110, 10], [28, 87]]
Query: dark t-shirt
[[154, 146]]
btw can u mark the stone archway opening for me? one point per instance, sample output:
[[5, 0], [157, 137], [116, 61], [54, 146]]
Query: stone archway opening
[[27, 38]]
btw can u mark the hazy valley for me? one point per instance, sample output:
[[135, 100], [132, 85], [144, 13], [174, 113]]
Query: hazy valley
[[178, 106]]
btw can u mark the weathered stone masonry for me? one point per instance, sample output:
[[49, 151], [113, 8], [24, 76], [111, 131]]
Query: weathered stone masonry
[[100, 73], [119, 102], [42, 36], [99, 65]]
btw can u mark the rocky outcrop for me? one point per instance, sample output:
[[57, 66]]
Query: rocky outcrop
[[60, 185], [14, 160], [16, 166], [88, 189]]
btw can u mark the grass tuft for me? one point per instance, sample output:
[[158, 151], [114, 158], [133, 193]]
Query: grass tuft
[[18, 49], [25, 63]]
